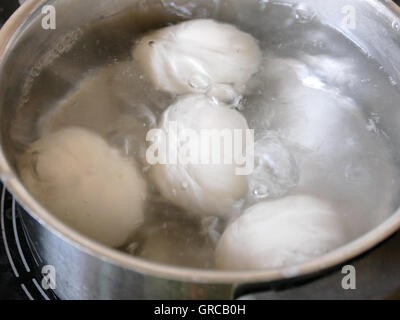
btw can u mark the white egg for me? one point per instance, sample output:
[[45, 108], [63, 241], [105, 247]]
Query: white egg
[[86, 183], [208, 188], [192, 56], [280, 233]]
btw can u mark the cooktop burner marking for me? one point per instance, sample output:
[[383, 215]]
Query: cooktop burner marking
[[20, 262], [44, 295], [32, 248], [3, 232], [28, 242], [17, 237], [27, 292]]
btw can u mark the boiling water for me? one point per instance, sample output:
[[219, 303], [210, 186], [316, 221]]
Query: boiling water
[[313, 106]]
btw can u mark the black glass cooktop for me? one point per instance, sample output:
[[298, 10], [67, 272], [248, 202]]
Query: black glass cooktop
[[20, 265]]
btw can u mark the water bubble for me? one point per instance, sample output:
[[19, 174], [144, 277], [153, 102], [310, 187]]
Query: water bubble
[[276, 171], [190, 8], [392, 81], [132, 248], [372, 126], [127, 146], [212, 228], [396, 25], [319, 44], [185, 185], [35, 72], [200, 82], [303, 14], [260, 191], [223, 93], [183, 8]]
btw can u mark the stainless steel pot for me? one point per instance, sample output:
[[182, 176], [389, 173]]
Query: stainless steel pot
[[88, 270]]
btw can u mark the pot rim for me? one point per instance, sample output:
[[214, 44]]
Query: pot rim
[[46, 219]]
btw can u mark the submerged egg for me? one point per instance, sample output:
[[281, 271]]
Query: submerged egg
[[280, 233], [192, 56], [87, 184], [200, 185]]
